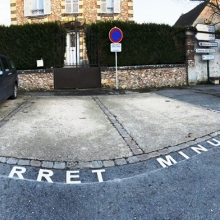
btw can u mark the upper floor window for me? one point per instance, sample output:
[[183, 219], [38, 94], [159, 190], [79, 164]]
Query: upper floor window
[[110, 6], [37, 7], [72, 6]]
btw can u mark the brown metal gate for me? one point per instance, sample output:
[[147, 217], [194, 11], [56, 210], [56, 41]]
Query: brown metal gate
[[77, 78], [77, 69]]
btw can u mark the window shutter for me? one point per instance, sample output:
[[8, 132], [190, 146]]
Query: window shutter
[[27, 8], [75, 6], [117, 6], [47, 7], [103, 6], [68, 6]]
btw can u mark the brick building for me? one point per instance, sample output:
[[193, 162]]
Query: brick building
[[71, 13]]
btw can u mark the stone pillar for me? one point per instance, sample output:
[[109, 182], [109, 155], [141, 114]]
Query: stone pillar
[[190, 55]]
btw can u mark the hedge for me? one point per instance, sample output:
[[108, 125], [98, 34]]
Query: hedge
[[142, 44], [27, 43]]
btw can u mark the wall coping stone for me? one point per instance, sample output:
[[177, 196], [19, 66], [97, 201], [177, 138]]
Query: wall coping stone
[[35, 71], [156, 66]]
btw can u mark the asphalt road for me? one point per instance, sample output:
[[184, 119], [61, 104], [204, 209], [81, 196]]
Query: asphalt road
[[186, 190], [181, 184]]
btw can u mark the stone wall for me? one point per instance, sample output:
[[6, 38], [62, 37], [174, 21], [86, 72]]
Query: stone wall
[[36, 80], [146, 76], [129, 77]]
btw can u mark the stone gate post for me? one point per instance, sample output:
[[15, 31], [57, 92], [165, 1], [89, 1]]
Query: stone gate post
[[190, 52]]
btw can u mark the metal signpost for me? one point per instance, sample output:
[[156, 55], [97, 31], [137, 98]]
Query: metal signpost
[[115, 36], [208, 44], [208, 57], [201, 50], [205, 28], [206, 37]]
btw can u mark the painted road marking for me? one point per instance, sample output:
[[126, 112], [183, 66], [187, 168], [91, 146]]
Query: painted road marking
[[73, 176], [45, 174], [169, 160]]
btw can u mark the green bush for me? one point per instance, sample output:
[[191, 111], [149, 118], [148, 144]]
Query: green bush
[[30, 42], [142, 44]]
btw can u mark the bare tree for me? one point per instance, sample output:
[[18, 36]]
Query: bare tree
[[214, 9], [214, 5]]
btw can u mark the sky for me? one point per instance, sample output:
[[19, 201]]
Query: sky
[[145, 11]]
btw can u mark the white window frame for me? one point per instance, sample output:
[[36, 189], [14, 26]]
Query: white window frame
[[29, 8], [106, 6], [38, 10], [72, 6]]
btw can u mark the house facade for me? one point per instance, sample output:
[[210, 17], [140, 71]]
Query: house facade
[[204, 13], [71, 13]]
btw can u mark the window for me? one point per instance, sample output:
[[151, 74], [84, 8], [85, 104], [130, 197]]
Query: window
[[1, 69], [110, 6], [72, 6], [37, 7], [11, 64], [5, 64]]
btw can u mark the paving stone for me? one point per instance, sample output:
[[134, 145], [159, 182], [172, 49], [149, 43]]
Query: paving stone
[[121, 130], [113, 120], [84, 165], [215, 134], [174, 148], [3, 159], [108, 163], [117, 125], [12, 161], [199, 140], [125, 135], [190, 143], [133, 146], [137, 151], [128, 140], [59, 165], [133, 159], [154, 154], [106, 111], [72, 165], [24, 162], [35, 163], [47, 164], [143, 157], [164, 151], [120, 162], [97, 164]]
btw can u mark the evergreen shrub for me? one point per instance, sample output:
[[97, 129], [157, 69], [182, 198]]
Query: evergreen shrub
[[142, 44], [30, 42]]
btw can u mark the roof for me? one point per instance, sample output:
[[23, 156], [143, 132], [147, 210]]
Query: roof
[[188, 18]]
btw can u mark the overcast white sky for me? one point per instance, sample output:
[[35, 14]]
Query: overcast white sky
[[154, 11]]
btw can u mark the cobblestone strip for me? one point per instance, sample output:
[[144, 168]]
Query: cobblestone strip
[[138, 154], [7, 118], [106, 163], [135, 148]]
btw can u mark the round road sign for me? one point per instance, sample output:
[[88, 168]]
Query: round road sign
[[115, 35]]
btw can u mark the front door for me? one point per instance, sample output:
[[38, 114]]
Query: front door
[[72, 49]]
